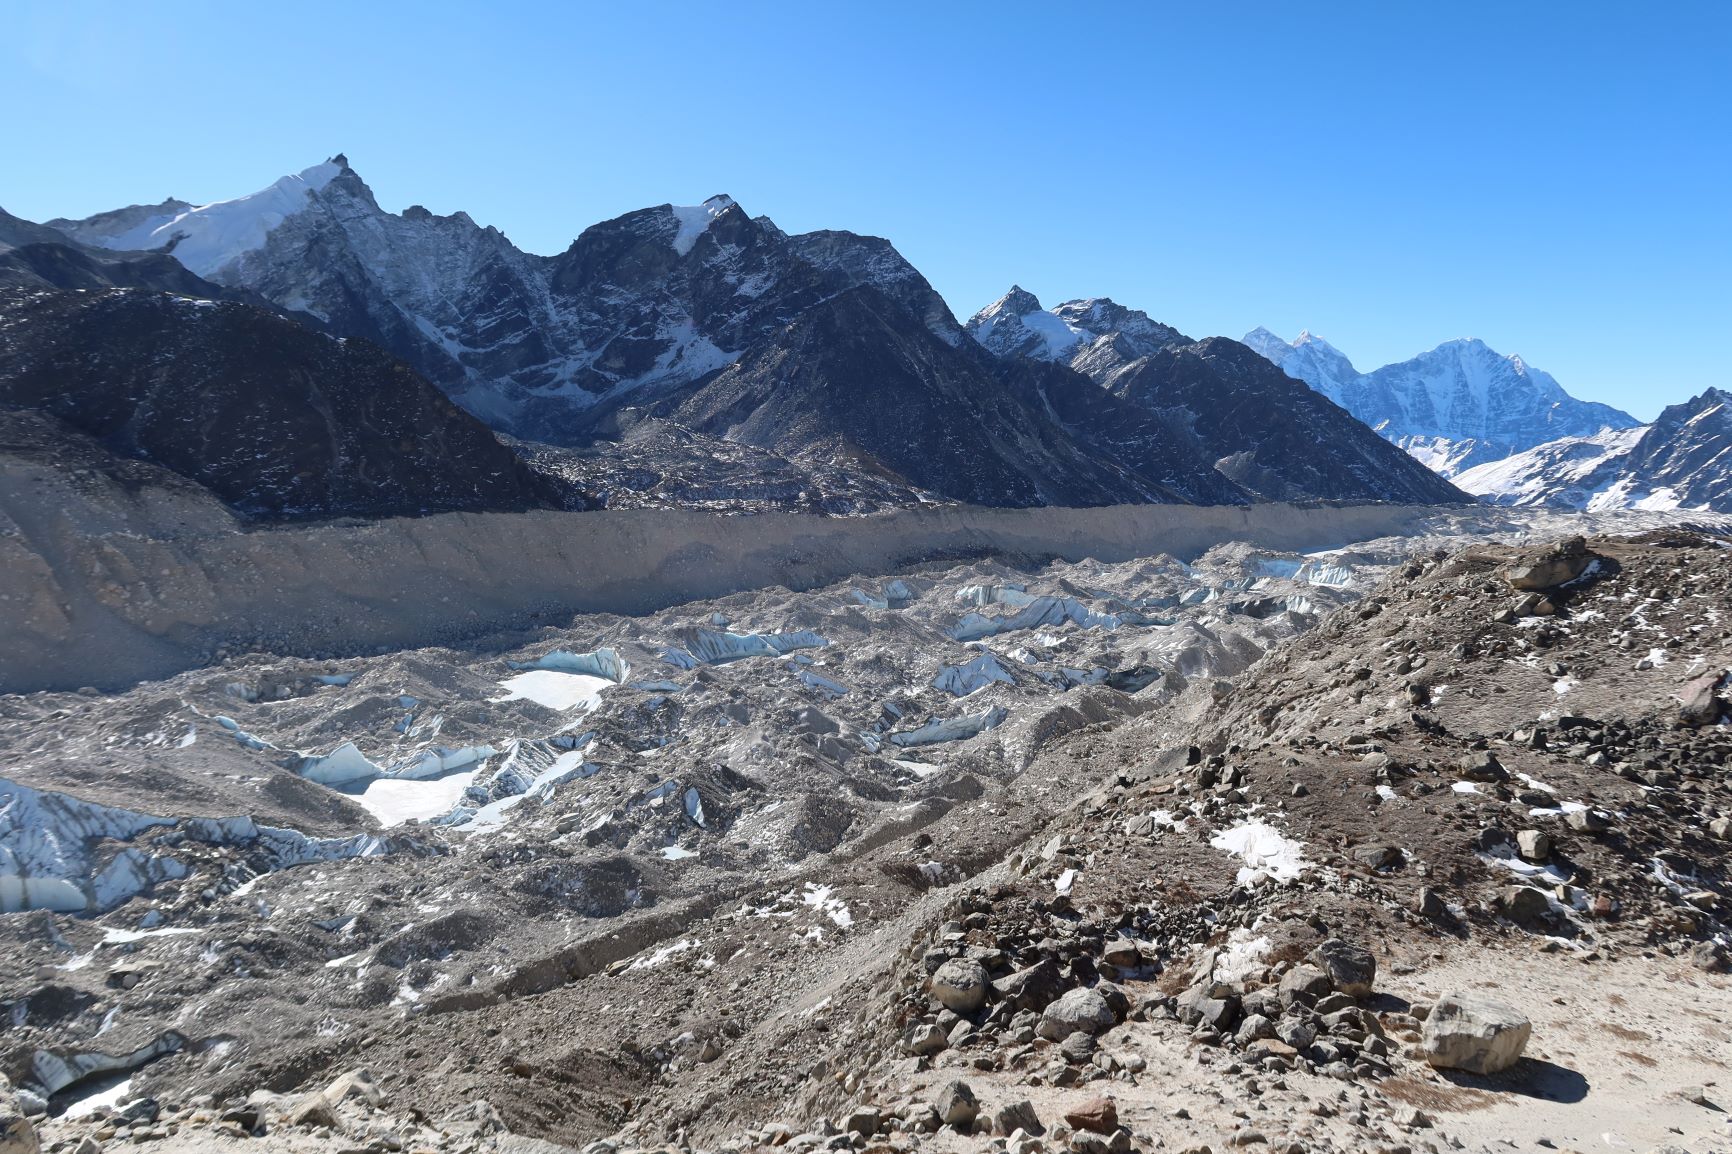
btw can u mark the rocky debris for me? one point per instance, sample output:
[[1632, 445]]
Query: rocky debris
[[17, 1132], [1475, 1034]]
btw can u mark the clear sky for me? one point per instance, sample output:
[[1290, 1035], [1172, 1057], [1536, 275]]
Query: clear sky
[[1555, 178]]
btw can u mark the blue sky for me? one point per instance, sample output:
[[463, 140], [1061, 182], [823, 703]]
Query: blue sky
[[1553, 178]]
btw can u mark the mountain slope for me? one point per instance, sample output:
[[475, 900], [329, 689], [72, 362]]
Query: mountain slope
[[1461, 404], [1218, 407], [275, 419], [1270, 434], [851, 379], [1682, 461]]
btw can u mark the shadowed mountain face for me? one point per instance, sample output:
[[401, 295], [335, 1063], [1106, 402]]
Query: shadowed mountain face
[[1218, 405], [854, 378], [1271, 434], [275, 419]]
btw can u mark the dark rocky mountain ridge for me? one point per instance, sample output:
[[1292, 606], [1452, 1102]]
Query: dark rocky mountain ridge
[[276, 420]]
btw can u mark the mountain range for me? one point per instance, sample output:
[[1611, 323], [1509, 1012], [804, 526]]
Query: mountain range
[[665, 349], [409, 362], [1459, 405]]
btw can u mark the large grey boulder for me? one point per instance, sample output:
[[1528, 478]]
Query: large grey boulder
[[960, 985], [956, 1105], [1351, 968], [1079, 1010], [1468, 1032], [1556, 565]]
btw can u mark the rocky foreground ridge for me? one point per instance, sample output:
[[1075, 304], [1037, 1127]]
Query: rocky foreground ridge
[[1441, 869]]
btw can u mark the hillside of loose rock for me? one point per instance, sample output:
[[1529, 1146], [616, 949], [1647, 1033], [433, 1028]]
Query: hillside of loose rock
[[1416, 844]]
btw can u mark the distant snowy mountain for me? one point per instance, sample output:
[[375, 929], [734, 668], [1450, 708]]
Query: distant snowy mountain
[[1682, 461], [1460, 405]]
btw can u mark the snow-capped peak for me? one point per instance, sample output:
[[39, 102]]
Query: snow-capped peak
[[695, 220], [1456, 406], [209, 237]]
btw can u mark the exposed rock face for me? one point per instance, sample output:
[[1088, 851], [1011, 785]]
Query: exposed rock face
[[657, 297], [276, 420], [1468, 1032]]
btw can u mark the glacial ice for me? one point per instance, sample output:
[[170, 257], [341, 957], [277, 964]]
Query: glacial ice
[[344, 765], [48, 842], [950, 729], [712, 647], [971, 676], [603, 663]]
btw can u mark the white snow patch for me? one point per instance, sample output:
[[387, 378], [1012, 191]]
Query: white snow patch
[[695, 220], [555, 690], [1265, 850], [397, 800]]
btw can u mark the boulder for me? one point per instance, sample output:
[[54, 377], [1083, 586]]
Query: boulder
[[1031, 988], [1468, 1032], [1098, 1115], [959, 985], [1699, 702], [1587, 821], [312, 1111], [956, 1105], [1523, 905], [1079, 1010], [1533, 845], [1483, 766], [1351, 968], [1556, 565], [862, 1120], [925, 1039]]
